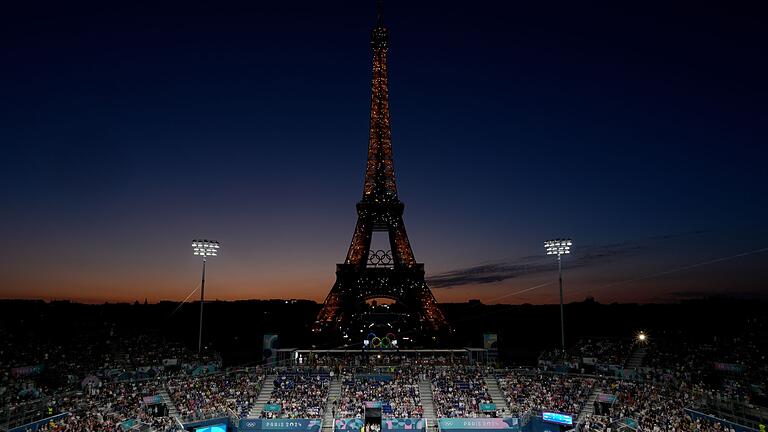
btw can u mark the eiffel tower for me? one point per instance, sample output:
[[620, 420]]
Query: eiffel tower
[[392, 274]]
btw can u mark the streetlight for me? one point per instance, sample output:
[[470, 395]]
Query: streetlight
[[204, 249], [559, 247], [642, 337]]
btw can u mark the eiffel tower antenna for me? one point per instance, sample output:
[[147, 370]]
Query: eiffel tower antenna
[[380, 13]]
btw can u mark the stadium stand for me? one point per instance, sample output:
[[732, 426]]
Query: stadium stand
[[300, 394], [532, 392], [458, 392], [398, 392], [672, 380]]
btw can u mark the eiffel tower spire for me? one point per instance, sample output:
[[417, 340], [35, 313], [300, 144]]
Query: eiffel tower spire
[[380, 183], [380, 13]]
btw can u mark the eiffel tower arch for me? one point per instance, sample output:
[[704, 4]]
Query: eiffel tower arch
[[394, 273]]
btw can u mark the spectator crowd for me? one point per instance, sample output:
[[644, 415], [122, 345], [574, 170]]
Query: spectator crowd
[[203, 397], [398, 392], [300, 395], [458, 392], [535, 392]]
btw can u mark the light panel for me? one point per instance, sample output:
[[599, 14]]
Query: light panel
[[205, 248], [558, 246]]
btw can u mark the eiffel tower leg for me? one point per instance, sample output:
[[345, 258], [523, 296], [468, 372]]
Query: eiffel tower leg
[[401, 247], [361, 243], [432, 313], [331, 308]]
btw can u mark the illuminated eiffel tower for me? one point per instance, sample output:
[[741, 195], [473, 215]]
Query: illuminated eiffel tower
[[392, 274]]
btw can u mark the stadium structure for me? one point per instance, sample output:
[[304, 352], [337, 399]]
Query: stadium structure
[[99, 382], [610, 385]]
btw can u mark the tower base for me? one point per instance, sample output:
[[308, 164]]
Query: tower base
[[381, 300]]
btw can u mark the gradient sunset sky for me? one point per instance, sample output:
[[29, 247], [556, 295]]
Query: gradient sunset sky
[[638, 131]]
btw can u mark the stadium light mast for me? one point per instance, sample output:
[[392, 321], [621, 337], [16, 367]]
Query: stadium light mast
[[204, 249], [560, 247]]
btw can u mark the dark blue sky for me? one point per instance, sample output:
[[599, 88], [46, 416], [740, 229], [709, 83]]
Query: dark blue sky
[[638, 130]]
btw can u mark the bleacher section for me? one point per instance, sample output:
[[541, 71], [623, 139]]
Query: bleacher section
[[300, 394], [458, 392]]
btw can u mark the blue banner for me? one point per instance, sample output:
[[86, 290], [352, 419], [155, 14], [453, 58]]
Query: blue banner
[[272, 408], [563, 419], [221, 427], [247, 425], [218, 421], [479, 424], [126, 425], [487, 407], [299, 425]]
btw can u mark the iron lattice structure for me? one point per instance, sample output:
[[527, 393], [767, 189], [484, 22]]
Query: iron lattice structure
[[367, 274]]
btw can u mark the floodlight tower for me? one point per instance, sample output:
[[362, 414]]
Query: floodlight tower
[[560, 247], [204, 249]]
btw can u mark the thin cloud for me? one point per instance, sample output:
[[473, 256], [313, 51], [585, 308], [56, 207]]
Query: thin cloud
[[499, 271], [484, 273]]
